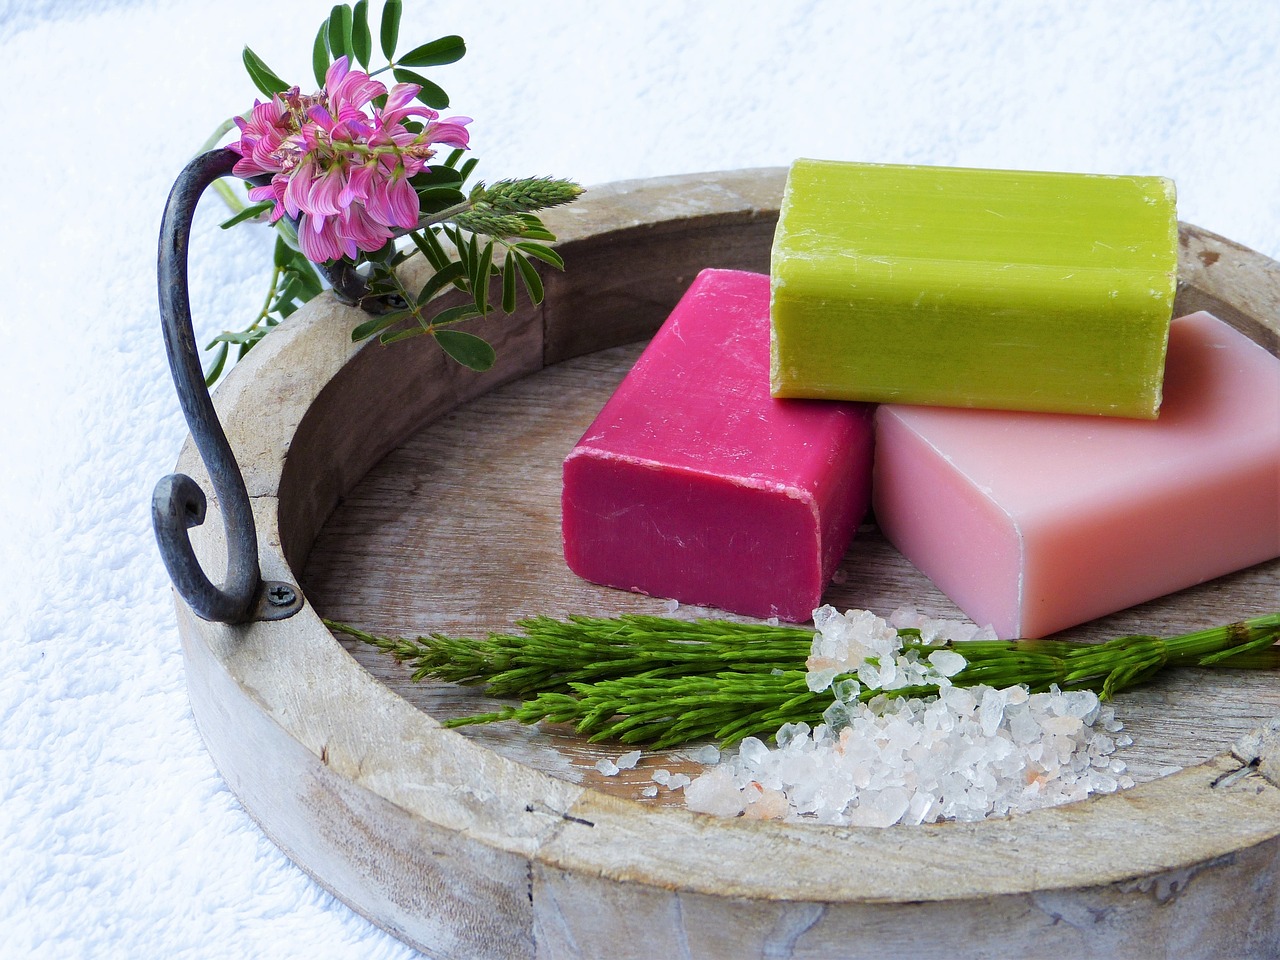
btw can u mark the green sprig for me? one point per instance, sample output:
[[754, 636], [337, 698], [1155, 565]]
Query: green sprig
[[493, 235], [665, 682], [489, 236]]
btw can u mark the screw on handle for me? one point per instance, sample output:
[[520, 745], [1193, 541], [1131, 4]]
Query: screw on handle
[[178, 502]]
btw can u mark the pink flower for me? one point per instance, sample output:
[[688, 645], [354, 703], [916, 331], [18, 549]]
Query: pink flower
[[393, 201], [328, 238], [340, 165]]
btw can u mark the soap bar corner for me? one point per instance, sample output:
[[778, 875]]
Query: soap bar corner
[[697, 485]]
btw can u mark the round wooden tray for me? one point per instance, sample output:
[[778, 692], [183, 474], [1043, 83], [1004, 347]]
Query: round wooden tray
[[407, 495]]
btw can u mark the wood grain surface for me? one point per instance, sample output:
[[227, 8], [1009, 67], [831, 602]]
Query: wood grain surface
[[458, 531], [408, 497]]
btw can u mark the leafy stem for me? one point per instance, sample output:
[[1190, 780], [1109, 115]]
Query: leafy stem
[[348, 176], [273, 288], [223, 188], [667, 682]]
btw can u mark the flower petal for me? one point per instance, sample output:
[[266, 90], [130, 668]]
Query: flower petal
[[336, 72]]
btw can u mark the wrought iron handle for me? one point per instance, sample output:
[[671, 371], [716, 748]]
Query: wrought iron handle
[[178, 502]]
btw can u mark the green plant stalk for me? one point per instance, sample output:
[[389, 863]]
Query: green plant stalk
[[665, 682], [223, 189]]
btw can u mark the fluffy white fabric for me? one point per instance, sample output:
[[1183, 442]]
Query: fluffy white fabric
[[118, 838]]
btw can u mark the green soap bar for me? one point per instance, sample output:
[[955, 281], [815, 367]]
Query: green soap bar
[[973, 288]]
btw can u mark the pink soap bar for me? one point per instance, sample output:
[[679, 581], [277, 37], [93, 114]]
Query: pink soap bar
[[694, 484], [1036, 522]]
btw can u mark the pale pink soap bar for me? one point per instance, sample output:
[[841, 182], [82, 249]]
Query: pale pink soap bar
[[693, 483], [1036, 522]]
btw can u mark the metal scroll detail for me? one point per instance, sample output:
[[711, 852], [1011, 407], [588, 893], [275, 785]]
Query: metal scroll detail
[[178, 503]]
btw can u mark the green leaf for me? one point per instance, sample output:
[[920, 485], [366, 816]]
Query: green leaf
[[283, 254], [434, 241], [286, 231], [320, 54], [248, 213], [239, 336], [290, 291], [370, 327], [468, 349], [262, 76], [480, 286], [426, 242], [219, 362], [532, 282], [308, 278], [390, 34], [382, 287], [437, 176], [468, 167], [438, 281], [430, 94], [437, 53], [454, 315], [454, 156], [399, 335], [545, 254], [446, 195], [472, 260], [383, 254], [459, 245], [361, 42], [534, 229], [509, 283], [340, 31]]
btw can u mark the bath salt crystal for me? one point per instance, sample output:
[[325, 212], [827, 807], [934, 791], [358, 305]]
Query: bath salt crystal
[[789, 732], [766, 804], [1023, 727], [752, 750], [1062, 725], [961, 700], [653, 792], [819, 680], [628, 760], [716, 792], [708, 755], [947, 663], [607, 767], [904, 617], [869, 675], [847, 690], [964, 754], [991, 711]]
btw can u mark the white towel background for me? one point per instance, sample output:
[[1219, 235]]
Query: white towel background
[[118, 838]]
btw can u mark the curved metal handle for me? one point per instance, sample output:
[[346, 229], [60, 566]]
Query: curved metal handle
[[178, 502]]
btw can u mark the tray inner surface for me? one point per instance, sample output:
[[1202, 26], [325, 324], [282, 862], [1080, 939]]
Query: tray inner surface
[[458, 531]]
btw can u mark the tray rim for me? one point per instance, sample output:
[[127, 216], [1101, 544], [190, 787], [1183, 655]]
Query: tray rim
[[270, 673]]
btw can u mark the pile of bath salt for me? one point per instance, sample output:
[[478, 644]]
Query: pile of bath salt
[[966, 754]]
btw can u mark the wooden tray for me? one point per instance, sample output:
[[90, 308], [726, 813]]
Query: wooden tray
[[408, 495]]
